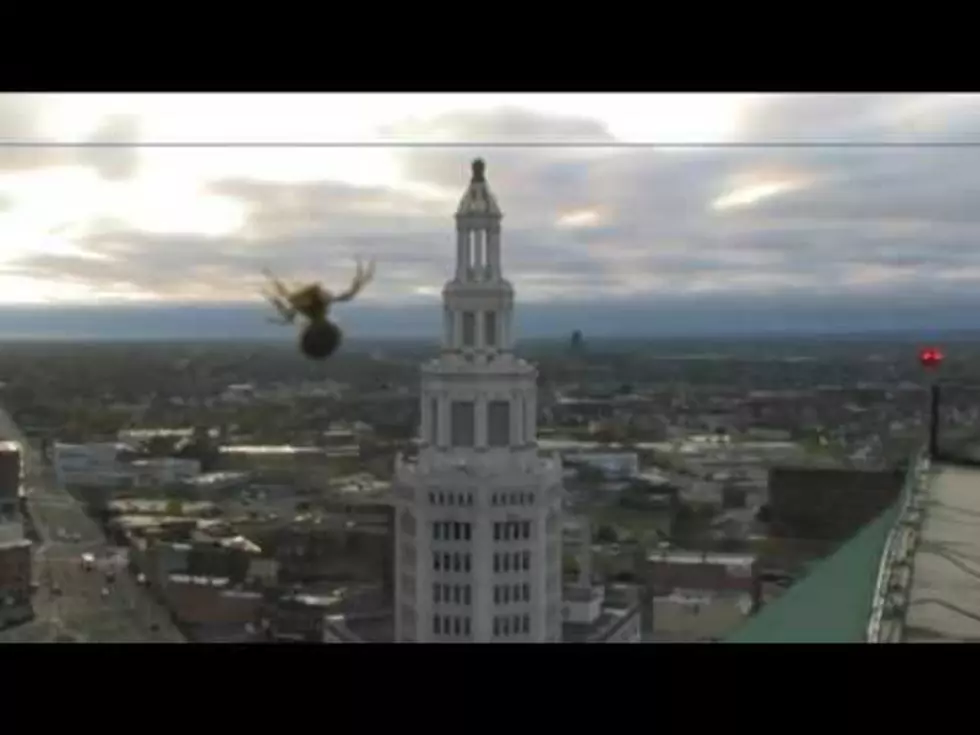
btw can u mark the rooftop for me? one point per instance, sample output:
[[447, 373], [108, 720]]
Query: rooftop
[[943, 599], [909, 576]]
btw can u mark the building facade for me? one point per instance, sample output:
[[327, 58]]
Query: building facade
[[478, 552], [15, 575], [11, 476]]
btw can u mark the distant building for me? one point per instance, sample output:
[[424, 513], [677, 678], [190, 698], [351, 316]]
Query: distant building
[[598, 614], [595, 613], [828, 504], [15, 574], [11, 475], [699, 596], [110, 465], [612, 465], [211, 609]]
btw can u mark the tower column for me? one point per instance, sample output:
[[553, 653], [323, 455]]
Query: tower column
[[481, 422], [462, 252], [493, 253]]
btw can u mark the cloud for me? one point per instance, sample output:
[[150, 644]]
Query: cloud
[[805, 225], [112, 161], [22, 134]]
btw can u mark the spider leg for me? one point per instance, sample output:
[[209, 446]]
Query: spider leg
[[279, 288], [287, 315], [362, 277]]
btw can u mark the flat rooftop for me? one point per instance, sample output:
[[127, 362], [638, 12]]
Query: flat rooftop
[[944, 600]]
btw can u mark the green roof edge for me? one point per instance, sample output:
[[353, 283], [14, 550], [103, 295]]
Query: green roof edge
[[833, 603]]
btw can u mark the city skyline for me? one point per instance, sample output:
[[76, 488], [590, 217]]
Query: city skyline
[[779, 234]]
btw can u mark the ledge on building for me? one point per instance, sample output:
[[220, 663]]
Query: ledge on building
[[833, 603]]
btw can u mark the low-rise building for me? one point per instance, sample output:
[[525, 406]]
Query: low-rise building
[[598, 614], [698, 596], [211, 609]]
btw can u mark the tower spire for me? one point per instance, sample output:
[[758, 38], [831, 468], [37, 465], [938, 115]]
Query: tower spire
[[478, 219]]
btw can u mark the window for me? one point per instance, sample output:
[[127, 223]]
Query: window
[[467, 530], [446, 562], [469, 329], [517, 593], [457, 626], [526, 529], [494, 499], [527, 592], [506, 594], [526, 624], [432, 498], [457, 564], [525, 560], [435, 562], [457, 531], [457, 594], [466, 626], [506, 562], [490, 328], [467, 598], [496, 595], [437, 625], [441, 499], [452, 501], [498, 423], [463, 424], [434, 421], [496, 563], [436, 597], [466, 562], [436, 528], [505, 626], [496, 532]]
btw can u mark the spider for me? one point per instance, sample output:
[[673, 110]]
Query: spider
[[321, 337]]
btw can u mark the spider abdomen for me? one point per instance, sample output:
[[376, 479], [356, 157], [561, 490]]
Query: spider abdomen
[[320, 339]]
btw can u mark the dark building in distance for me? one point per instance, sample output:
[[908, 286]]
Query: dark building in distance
[[828, 504], [10, 477]]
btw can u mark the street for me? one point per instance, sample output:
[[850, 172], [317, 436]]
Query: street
[[73, 603]]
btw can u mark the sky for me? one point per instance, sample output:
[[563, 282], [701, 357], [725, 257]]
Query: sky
[[847, 233]]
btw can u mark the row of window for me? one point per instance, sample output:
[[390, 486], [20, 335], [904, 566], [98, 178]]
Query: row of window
[[511, 624], [462, 423], [445, 562], [451, 531], [457, 594], [450, 625], [504, 594], [505, 562], [463, 500], [512, 561], [512, 499], [512, 531]]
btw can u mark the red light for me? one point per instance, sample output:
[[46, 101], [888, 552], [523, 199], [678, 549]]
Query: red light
[[930, 357]]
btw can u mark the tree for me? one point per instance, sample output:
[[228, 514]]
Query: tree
[[174, 507]]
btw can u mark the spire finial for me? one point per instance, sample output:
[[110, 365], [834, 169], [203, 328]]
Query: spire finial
[[479, 171]]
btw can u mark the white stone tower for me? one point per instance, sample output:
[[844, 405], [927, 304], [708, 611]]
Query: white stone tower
[[478, 550]]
